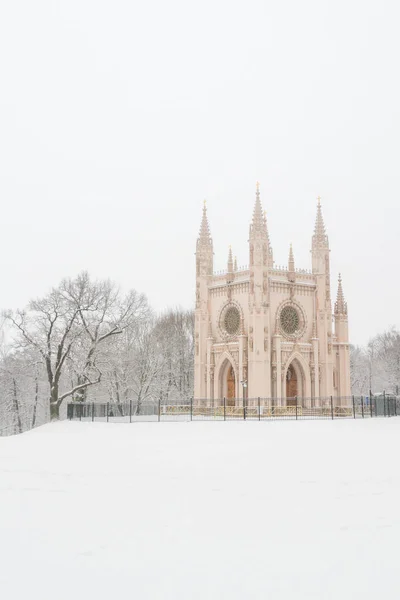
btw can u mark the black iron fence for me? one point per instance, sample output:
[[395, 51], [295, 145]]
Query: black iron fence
[[353, 407]]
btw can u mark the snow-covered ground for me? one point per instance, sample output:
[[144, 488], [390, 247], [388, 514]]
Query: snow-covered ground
[[235, 510]]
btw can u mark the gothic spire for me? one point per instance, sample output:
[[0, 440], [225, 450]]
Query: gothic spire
[[340, 304], [257, 212], [204, 241], [230, 260], [204, 234], [320, 238], [291, 269], [235, 265], [259, 222], [291, 259]]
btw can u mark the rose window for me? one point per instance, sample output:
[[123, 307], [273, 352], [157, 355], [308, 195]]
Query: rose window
[[232, 320], [290, 321]]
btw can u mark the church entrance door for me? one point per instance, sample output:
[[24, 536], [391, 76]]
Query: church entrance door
[[231, 391], [291, 386]]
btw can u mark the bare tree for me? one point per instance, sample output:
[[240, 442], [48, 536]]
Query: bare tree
[[151, 362], [174, 331], [72, 323], [359, 370], [387, 359]]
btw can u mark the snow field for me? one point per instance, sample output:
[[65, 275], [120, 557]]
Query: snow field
[[235, 510]]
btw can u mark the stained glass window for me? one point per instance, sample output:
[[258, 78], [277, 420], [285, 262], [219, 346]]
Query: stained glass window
[[232, 320], [290, 321]]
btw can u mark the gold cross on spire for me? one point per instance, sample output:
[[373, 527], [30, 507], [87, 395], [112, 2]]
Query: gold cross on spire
[[319, 199]]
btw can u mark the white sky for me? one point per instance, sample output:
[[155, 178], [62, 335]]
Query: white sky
[[118, 118]]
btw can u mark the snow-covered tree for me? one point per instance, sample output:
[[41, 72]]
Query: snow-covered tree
[[359, 370], [68, 328]]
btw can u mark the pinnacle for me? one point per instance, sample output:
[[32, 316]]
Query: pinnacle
[[291, 259], [258, 212], [230, 260], [340, 304], [204, 235], [320, 238], [291, 270], [259, 222]]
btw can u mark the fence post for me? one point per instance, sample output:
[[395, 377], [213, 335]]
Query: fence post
[[191, 408], [159, 409], [296, 408], [80, 412], [130, 411], [395, 407], [370, 403], [224, 408], [92, 411], [384, 403], [362, 406], [354, 408], [108, 404], [259, 409], [332, 406], [244, 408]]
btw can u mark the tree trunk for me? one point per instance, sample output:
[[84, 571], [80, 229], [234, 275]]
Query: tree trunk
[[116, 387], [16, 406], [36, 402], [54, 403], [54, 411], [139, 403]]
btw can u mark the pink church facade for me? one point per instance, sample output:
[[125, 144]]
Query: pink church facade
[[267, 331]]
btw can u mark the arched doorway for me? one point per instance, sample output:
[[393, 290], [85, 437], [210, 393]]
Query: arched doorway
[[230, 386], [227, 384], [297, 379], [291, 386]]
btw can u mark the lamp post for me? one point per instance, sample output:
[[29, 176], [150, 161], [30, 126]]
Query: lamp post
[[244, 385]]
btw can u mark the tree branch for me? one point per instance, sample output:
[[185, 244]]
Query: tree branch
[[81, 386]]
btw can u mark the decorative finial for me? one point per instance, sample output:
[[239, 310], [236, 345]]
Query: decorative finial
[[257, 187], [230, 260], [320, 238], [205, 202], [204, 234], [291, 269], [340, 304]]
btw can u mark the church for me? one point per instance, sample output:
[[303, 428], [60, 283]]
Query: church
[[266, 331]]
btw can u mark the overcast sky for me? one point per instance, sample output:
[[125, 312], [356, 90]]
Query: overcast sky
[[118, 118]]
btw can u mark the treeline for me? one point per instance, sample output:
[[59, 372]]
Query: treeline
[[87, 341], [376, 366]]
